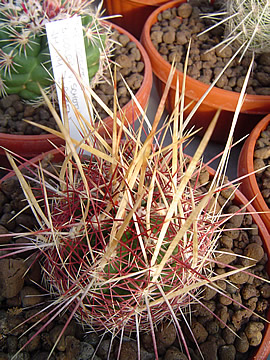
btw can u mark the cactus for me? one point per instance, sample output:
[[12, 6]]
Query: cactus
[[128, 233], [247, 24], [24, 54]]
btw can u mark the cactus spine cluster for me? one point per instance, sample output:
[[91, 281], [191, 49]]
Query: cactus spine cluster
[[127, 235], [249, 22], [24, 54]]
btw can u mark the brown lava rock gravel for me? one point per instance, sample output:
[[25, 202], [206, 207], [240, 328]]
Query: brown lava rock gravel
[[13, 110], [129, 66], [261, 160], [171, 35], [21, 297]]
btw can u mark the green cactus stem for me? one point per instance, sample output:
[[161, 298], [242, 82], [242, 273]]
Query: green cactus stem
[[24, 54]]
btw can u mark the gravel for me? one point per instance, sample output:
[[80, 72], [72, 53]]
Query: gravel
[[171, 35]]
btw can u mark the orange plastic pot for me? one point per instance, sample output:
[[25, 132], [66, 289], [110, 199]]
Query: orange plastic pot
[[29, 146], [254, 108], [249, 185], [264, 348], [134, 13]]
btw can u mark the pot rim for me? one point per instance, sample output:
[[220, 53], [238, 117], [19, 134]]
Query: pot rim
[[246, 165]]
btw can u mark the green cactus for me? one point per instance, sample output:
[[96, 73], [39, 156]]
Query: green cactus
[[249, 22], [24, 54], [246, 25]]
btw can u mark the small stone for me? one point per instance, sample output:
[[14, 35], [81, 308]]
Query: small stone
[[167, 14], [212, 327], [225, 257], [34, 343], [228, 334], [86, 351], [128, 351], [167, 334], [249, 291], [265, 291], [173, 353], [237, 219], [30, 296], [169, 37], [225, 300], [184, 10], [231, 230], [258, 164], [239, 277], [176, 22], [253, 332], [227, 352], [136, 53], [181, 38], [254, 252], [11, 276], [209, 350], [224, 52], [134, 81], [241, 343], [12, 344], [263, 78], [123, 39], [72, 347], [28, 111], [222, 81], [156, 36], [123, 61], [55, 332], [8, 101], [199, 332], [226, 241], [103, 349], [264, 59], [209, 293], [262, 153], [223, 314]]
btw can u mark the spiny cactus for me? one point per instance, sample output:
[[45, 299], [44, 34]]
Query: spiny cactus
[[247, 24], [24, 54], [128, 233]]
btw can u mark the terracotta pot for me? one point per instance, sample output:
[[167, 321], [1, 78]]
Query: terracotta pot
[[134, 13], [253, 108], [29, 146], [249, 185], [264, 349]]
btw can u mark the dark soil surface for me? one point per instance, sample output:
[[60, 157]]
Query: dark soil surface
[[262, 160], [233, 301], [171, 35], [13, 110]]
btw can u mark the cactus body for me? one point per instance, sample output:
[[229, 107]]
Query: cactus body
[[249, 22], [24, 54]]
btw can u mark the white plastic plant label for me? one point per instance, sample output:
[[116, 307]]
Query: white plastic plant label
[[65, 39]]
